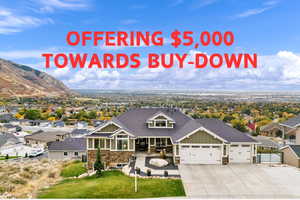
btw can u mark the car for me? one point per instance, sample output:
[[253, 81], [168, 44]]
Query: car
[[36, 153]]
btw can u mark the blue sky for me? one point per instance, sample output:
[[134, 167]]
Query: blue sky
[[270, 28]]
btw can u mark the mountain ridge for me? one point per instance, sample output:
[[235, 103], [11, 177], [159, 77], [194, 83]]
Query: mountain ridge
[[17, 80]]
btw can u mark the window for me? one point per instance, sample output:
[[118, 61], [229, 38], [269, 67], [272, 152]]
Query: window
[[90, 143], [169, 141], [224, 150], [205, 146], [234, 145], [65, 153], [195, 146], [244, 145], [101, 143], [177, 149], [96, 145], [122, 142], [76, 153], [161, 123], [108, 143]]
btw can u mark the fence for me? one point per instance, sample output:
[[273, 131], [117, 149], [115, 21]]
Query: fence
[[269, 157]]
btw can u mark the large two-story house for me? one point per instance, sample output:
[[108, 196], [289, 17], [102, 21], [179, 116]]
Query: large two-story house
[[188, 140]]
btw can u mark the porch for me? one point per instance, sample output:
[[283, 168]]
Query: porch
[[154, 145]]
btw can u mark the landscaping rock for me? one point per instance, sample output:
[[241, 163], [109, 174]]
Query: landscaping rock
[[158, 162]]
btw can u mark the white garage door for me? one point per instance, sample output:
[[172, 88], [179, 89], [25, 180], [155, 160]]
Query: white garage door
[[240, 154], [196, 154]]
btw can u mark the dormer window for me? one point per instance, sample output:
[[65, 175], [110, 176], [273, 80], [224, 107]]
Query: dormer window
[[160, 120]]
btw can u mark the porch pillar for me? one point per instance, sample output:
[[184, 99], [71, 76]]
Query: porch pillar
[[148, 145]]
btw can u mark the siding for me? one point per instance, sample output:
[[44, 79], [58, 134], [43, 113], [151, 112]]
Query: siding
[[59, 155], [201, 137], [108, 129], [290, 158]]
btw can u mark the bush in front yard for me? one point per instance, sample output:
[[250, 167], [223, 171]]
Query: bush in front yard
[[148, 172]]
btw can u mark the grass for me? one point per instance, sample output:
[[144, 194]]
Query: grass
[[10, 157], [114, 184], [74, 169]]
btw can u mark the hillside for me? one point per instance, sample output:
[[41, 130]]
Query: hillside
[[23, 81]]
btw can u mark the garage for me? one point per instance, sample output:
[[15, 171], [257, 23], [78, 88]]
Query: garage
[[240, 153], [200, 154]]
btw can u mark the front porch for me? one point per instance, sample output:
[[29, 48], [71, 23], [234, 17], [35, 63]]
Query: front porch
[[154, 145]]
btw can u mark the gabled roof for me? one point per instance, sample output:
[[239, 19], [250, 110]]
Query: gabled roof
[[69, 144], [135, 122], [294, 148], [225, 131], [292, 122], [160, 113], [80, 131]]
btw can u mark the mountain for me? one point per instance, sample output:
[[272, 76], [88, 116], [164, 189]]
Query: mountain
[[23, 81]]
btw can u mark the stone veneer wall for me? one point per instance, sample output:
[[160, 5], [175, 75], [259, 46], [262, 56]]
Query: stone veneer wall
[[109, 157]]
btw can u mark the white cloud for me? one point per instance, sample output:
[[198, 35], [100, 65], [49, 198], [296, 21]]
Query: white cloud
[[23, 54], [129, 21], [51, 5], [268, 5], [12, 23]]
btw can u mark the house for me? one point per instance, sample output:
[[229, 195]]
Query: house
[[70, 148], [151, 130], [266, 142], [9, 128], [77, 133], [58, 123], [288, 130], [291, 155], [42, 138], [5, 118], [41, 123]]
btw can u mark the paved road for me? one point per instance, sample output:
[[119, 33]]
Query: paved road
[[240, 181]]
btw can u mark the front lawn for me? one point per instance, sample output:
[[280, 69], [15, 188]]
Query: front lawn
[[73, 169], [10, 157], [114, 184]]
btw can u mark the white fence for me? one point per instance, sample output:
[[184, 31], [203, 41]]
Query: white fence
[[269, 158]]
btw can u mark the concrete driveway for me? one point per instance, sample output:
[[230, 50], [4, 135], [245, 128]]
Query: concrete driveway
[[240, 181]]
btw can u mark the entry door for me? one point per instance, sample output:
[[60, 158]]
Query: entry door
[[240, 154]]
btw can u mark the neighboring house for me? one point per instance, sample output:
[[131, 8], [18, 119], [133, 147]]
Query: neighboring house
[[58, 124], [9, 128], [41, 123], [5, 118], [189, 141], [42, 138], [3, 110], [70, 148], [77, 133], [289, 130], [291, 155], [266, 142], [97, 123]]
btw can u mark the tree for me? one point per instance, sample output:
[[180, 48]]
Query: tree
[[239, 125], [98, 166], [32, 114]]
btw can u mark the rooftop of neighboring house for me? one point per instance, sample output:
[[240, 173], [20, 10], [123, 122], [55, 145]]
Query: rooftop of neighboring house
[[5, 138], [45, 136], [266, 142], [80, 132], [136, 121], [292, 122], [69, 144], [294, 148]]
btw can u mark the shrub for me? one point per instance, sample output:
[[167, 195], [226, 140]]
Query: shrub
[[18, 181], [148, 172], [26, 175], [26, 155], [163, 154], [98, 165], [166, 173], [27, 169], [40, 171], [51, 175], [7, 156], [138, 170], [2, 190]]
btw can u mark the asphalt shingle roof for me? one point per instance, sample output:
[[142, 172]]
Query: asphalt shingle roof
[[45, 136], [225, 131], [296, 149], [292, 122], [69, 144], [134, 122]]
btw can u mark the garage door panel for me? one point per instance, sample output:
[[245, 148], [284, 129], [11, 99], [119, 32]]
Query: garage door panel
[[240, 154], [200, 154]]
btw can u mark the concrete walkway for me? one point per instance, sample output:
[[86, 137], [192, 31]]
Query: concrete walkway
[[240, 181], [140, 163]]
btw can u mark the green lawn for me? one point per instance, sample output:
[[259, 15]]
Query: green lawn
[[114, 184], [74, 169], [10, 157]]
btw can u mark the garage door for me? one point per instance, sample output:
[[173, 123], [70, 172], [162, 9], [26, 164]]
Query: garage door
[[240, 154], [197, 154]]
